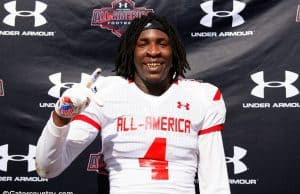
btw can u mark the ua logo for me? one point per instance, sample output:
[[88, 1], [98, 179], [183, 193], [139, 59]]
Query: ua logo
[[39, 20], [55, 90], [30, 158], [290, 90], [237, 20], [180, 105], [123, 5], [238, 165]]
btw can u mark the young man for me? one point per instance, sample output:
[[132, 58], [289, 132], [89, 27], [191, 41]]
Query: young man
[[158, 130]]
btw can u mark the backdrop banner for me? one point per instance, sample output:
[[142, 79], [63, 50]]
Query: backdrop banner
[[248, 48]]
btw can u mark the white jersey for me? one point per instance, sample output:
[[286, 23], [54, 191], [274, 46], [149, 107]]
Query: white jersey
[[151, 144]]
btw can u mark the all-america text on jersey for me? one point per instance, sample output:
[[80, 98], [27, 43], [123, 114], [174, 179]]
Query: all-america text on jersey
[[163, 123]]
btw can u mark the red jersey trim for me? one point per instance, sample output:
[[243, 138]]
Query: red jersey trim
[[130, 81], [87, 120], [219, 127], [217, 96]]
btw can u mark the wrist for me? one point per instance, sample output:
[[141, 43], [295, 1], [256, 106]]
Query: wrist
[[60, 121]]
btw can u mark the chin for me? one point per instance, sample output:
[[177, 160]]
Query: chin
[[154, 80]]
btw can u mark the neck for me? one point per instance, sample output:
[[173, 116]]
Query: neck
[[155, 89]]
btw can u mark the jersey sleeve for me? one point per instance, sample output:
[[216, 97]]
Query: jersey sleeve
[[57, 146], [212, 170], [215, 110]]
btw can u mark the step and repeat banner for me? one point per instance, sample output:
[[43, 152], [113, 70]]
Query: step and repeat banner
[[248, 48]]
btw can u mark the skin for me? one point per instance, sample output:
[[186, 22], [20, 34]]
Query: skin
[[59, 121], [153, 46]]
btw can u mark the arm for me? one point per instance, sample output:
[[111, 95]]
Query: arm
[[61, 141], [212, 170], [58, 145]]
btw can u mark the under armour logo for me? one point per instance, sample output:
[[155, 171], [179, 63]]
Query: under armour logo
[[39, 20], [55, 90], [123, 5], [1, 88], [238, 165], [96, 163], [290, 90], [237, 20], [4, 158], [180, 105]]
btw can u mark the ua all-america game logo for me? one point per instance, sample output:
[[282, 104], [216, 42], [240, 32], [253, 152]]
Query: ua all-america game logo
[[96, 163], [117, 17]]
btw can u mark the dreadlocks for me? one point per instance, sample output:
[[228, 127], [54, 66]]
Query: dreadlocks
[[124, 61]]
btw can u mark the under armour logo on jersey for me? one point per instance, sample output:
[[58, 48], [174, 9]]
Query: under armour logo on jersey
[[4, 158], [290, 90], [238, 165], [123, 5], [181, 105], [237, 19], [39, 20], [55, 91]]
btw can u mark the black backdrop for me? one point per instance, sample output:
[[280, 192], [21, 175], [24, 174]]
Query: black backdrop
[[248, 48]]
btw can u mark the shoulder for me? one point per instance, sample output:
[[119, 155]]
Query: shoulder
[[110, 79], [105, 82], [203, 90]]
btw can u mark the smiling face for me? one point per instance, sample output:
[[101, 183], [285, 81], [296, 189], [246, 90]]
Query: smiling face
[[152, 60]]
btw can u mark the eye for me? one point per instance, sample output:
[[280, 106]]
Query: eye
[[164, 43], [141, 44]]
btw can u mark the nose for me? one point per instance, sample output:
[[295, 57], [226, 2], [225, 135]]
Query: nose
[[153, 50]]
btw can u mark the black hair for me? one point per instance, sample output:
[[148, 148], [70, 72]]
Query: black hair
[[124, 60]]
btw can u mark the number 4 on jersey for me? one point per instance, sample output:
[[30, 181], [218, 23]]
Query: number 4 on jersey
[[155, 158]]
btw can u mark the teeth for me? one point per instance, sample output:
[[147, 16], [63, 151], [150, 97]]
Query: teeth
[[151, 65]]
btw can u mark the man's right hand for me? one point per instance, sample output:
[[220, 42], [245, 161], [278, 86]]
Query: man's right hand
[[73, 101]]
